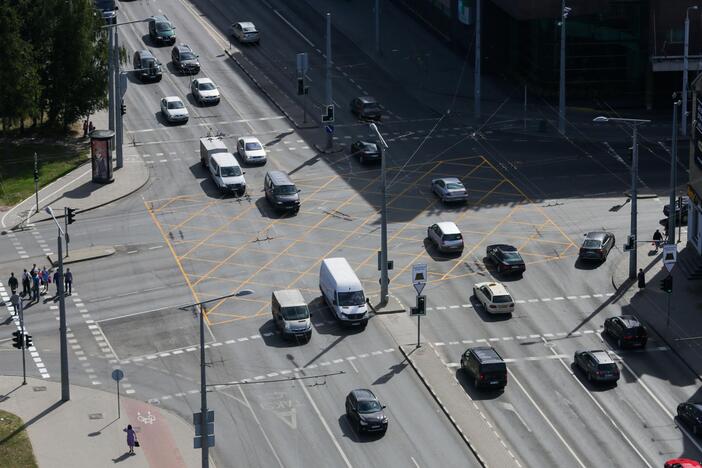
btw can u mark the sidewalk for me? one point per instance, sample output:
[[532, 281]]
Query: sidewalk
[[76, 189], [85, 432]]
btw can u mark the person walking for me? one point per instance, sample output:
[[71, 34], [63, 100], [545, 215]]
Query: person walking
[[26, 283], [131, 438], [35, 287], [91, 127], [68, 278], [657, 239], [85, 128], [642, 279], [33, 270], [56, 282], [13, 283], [45, 279]]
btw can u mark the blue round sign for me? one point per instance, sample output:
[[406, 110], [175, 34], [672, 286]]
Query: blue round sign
[[117, 375]]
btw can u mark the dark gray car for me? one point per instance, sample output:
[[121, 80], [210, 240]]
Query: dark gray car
[[281, 191], [185, 60], [366, 107], [596, 246], [597, 365], [365, 412]]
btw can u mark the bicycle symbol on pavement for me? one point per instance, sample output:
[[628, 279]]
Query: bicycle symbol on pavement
[[148, 419]]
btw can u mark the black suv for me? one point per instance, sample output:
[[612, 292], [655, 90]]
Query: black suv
[[366, 107], [161, 30], [185, 60], [627, 330], [691, 415], [597, 365], [146, 67], [506, 258], [485, 366], [366, 151], [365, 412]]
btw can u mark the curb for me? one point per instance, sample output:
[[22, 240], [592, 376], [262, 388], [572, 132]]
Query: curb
[[436, 398], [397, 311], [106, 252]]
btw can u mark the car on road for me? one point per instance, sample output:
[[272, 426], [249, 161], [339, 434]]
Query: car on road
[[449, 189], [365, 413], [367, 108], [366, 151], [227, 174], [281, 192], [679, 210], [251, 150], [291, 314], [506, 258], [597, 365], [494, 297], [485, 366], [146, 67], [185, 60], [161, 31], [173, 110], [596, 246], [682, 463], [205, 91], [690, 413], [245, 32], [627, 330], [446, 237]]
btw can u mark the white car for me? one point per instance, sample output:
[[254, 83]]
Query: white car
[[205, 91], [173, 109], [245, 32], [494, 297], [251, 150]]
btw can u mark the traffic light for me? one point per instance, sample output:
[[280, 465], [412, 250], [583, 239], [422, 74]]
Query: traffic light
[[123, 108], [27, 341], [18, 340], [629, 245], [421, 305], [329, 117], [667, 284], [300, 86], [70, 215]]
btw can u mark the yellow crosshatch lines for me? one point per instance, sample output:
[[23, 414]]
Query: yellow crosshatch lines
[[223, 245]]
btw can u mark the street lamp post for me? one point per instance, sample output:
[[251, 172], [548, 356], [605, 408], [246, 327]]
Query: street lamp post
[[686, 46], [634, 123], [672, 212], [383, 219], [476, 79], [561, 89]]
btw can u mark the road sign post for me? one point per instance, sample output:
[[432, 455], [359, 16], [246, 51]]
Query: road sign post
[[419, 280], [118, 375], [670, 256], [16, 302]]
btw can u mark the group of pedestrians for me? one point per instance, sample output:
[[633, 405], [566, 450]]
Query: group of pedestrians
[[35, 282]]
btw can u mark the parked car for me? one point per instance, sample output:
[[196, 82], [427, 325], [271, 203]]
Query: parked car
[[597, 365], [173, 110], [366, 151], [161, 31], [251, 150], [494, 297], [627, 330], [506, 258], [485, 366], [205, 91], [691, 415], [185, 60], [146, 67], [679, 210], [365, 413], [446, 237], [596, 246], [245, 32], [449, 189], [366, 107]]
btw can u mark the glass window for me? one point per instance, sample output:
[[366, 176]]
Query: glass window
[[502, 299], [187, 56], [206, 86], [368, 406], [253, 146], [175, 105], [351, 298], [295, 313], [454, 186], [592, 244], [231, 171], [452, 237], [285, 189]]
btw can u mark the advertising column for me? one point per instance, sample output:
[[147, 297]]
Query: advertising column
[[101, 155]]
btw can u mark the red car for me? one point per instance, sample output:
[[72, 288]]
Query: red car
[[682, 463]]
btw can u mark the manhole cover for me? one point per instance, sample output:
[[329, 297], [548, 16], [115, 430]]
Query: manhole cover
[[39, 389], [95, 416], [154, 401]]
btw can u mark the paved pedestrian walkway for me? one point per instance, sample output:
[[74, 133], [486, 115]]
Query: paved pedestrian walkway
[[85, 432]]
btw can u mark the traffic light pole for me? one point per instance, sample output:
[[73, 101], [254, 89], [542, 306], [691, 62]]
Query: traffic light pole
[[65, 224], [328, 80], [20, 312]]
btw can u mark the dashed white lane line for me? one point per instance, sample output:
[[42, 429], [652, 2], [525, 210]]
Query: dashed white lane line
[[527, 301]]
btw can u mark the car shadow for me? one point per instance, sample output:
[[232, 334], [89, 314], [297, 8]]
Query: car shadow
[[474, 393], [587, 265], [276, 340], [324, 322], [436, 255], [484, 315], [267, 211], [348, 431], [591, 386], [146, 39]]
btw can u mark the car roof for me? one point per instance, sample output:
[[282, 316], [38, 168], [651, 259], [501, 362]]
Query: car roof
[[601, 356], [455, 180], [367, 99], [246, 24], [363, 394], [486, 354], [448, 227], [280, 178], [596, 235], [630, 321], [496, 288], [182, 47], [250, 139], [145, 53], [204, 80], [505, 247], [225, 159], [172, 98]]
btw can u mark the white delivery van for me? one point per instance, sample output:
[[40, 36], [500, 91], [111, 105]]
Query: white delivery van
[[210, 146], [343, 292], [291, 315], [226, 173]]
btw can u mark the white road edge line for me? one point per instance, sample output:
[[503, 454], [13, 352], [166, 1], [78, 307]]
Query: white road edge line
[[293, 28], [324, 423]]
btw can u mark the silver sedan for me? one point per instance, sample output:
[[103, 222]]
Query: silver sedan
[[449, 189]]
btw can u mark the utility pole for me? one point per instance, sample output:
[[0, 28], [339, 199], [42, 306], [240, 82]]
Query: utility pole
[[476, 79], [110, 78], [377, 27], [634, 196], [205, 452], [118, 98], [36, 180], [685, 94], [328, 84], [63, 344], [383, 218], [672, 212], [562, 87]]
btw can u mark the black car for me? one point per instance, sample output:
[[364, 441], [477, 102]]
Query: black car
[[161, 30], [627, 330], [185, 60], [366, 107], [365, 412], [680, 210], [506, 258], [366, 151], [146, 67], [597, 365], [691, 415], [596, 246], [485, 366]]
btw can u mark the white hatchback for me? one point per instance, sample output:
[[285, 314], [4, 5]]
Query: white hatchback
[[494, 297], [173, 109], [251, 150]]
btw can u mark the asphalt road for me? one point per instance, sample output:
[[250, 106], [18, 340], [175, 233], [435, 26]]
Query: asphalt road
[[281, 404]]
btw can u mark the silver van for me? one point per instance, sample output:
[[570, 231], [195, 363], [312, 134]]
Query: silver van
[[291, 314], [446, 237]]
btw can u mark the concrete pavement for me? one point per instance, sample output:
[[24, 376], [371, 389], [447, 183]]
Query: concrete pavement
[[86, 432]]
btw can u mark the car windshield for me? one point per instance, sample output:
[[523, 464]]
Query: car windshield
[[370, 105], [105, 4], [453, 237], [249, 30], [295, 313], [163, 27], [254, 146], [285, 190], [608, 367], [148, 63], [370, 147], [454, 186], [230, 171], [591, 244], [368, 406], [187, 56], [175, 105], [511, 256], [502, 299], [351, 298], [206, 86]]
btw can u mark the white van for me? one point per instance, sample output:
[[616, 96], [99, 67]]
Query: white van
[[226, 173], [343, 292], [291, 314]]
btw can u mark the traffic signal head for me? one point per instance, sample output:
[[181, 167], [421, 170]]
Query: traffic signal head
[[17, 340], [70, 215], [667, 284], [300, 86], [123, 108], [27, 341], [629, 245], [422, 305]]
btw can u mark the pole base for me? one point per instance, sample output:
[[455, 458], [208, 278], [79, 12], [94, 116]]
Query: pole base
[[393, 306]]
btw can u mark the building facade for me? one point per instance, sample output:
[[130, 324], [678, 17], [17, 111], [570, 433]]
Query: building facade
[[694, 186]]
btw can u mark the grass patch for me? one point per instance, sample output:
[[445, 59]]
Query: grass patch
[[17, 450], [55, 159]]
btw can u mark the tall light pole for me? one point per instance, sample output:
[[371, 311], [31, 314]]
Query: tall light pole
[[672, 212], [383, 219], [562, 87], [476, 79], [377, 27], [63, 344], [634, 124], [328, 80], [685, 94]]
